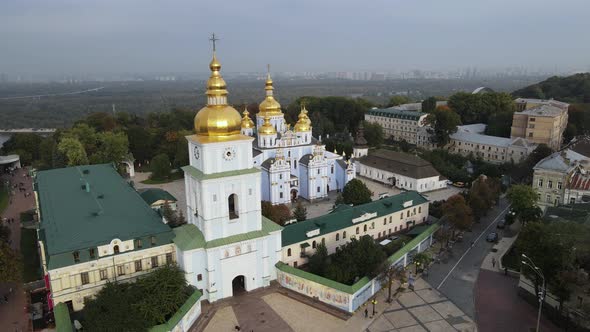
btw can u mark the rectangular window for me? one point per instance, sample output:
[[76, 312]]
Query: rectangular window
[[103, 274], [154, 261], [419, 209], [153, 240], [549, 184], [572, 200], [120, 270], [76, 257], [530, 134], [138, 266], [318, 171], [532, 119], [199, 277], [540, 183], [318, 189], [280, 195], [138, 244], [558, 185], [295, 264], [85, 279], [280, 176], [169, 258], [384, 221], [548, 198], [92, 253], [390, 219]]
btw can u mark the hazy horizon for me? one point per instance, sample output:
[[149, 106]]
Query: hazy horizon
[[72, 37]]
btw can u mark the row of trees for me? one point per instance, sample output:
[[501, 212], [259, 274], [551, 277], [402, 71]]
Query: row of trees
[[493, 108], [11, 267]]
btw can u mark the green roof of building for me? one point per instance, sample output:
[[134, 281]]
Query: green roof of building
[[342, 217], [195, 173], [87, 206], [152, 195], [396, 113], [189, 237], [350, 289]]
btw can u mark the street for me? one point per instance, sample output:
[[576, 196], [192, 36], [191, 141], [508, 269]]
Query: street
[[457, 276]]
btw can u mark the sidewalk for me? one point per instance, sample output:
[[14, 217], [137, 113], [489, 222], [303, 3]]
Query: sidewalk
[[13, 315]]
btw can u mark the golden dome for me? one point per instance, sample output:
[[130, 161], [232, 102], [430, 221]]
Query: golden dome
[[217, 118], [246, 121], [304, 123], [267, 128], [269, 104]]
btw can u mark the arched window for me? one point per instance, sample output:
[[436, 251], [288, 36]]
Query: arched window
[[337, 236], [357, 230], [232, 204], [323, 241], [365, 228], [313, 244], [116, 249], [289, 252]]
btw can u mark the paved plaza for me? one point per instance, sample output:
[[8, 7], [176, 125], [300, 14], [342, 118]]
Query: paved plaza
[[271, 309]]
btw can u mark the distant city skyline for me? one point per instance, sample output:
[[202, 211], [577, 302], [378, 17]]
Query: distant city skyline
[[70, 38]]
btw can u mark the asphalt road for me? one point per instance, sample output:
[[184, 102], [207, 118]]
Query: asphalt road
[[456, 277]]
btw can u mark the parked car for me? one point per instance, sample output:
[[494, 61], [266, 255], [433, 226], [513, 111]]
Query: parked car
[[492, 237], [501, 224], [459, 184]]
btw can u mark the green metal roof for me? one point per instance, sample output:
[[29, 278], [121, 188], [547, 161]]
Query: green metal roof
[[189, 237], [342, 217], [152, 195], [408, 247], [180, 313], [195, 173], [87, 206], [350, 289], [63, 322]]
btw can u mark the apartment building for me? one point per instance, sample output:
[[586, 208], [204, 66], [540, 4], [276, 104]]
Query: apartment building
[[378, 219], [398, 123], [95, 228], [540, 124]]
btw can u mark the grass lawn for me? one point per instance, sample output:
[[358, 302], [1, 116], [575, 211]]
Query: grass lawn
[[172, 177], [3, 199], [28, 248]]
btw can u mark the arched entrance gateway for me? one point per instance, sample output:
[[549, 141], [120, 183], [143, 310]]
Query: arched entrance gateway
[[239, 285], [293, 195]]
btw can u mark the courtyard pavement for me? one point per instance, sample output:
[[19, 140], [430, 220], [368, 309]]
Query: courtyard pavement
[[424, 309], [13, 315]]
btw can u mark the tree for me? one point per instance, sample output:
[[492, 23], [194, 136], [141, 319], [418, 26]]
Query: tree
[[481, 197], [10, 264], [73, 150], [390, 273], [112, 147], [522, 197], [160, 167], [458, 213], [540, 152], [398, 100], [373, 134], [355, 192], [421, 259], [443, 123], [318, 262], [300, 212], [279, 213], [429, 105]]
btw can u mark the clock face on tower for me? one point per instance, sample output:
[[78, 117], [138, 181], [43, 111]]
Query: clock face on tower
[[229, 153], [197, 152]]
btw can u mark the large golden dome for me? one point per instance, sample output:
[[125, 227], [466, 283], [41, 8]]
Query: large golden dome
[[217, 118], [269, 105]]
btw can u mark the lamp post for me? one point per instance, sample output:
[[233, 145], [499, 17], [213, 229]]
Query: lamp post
[[374, 302], [541, 294]]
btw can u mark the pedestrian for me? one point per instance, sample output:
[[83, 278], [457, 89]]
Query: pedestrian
[[493, 261], [366, 313]]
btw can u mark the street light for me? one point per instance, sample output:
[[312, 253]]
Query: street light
[[541, 294]]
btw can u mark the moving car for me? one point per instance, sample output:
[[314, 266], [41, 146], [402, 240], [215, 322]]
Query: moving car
[[492, 237]]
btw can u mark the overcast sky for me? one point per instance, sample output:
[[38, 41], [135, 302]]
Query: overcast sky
[[92, 36]]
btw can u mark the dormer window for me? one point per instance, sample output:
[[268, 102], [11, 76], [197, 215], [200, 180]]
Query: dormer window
[[153, 240], [92, 253], [138, 243], [76, 257]]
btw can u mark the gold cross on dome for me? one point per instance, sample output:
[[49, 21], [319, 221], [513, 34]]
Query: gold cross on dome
[[213, 40]]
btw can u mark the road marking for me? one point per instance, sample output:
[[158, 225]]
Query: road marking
[[474, 242]]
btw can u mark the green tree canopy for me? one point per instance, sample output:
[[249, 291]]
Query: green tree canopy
[[74, 151], [398, 100], [429, 105], [11, 266], [160, 167], [373, 134], [522, 197], [279, 213], [300, 212], [458, 213], [443, 122], [356, 192]]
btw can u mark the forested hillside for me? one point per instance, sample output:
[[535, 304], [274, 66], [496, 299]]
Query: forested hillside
[[571, 89]]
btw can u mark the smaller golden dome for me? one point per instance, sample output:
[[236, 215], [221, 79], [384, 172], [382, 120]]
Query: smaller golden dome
[[269, 105], [267, 128], [304, 123], [246, 121], [216, 85]]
